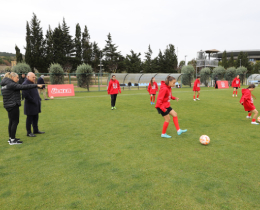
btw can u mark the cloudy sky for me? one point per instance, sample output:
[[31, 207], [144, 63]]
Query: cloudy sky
[[190, 25]]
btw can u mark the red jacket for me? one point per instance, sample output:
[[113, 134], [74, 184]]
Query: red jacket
[[196, 86], [113, 87], [236, 82], [164, 97], [152, 89], [247, 100]]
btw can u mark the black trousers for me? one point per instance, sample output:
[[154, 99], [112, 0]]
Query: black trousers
[[13, 116], [113, 99], [32, 120]]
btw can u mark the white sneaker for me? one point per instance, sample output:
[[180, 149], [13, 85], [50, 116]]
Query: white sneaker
[[236, 95], [248, 116], [254, 123], [194, 99], [198, 99], [233, 95]]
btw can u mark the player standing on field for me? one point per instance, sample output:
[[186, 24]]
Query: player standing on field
[[196, 88], [152, 89], [113, 88], [236, 85], [247, 101], [163, 106]]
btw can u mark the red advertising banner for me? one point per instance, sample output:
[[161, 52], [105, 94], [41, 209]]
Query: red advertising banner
[[61, 90], [222, 84]]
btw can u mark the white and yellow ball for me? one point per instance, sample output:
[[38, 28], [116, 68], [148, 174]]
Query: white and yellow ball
[[258, 119], [204, 139], [52, 97]]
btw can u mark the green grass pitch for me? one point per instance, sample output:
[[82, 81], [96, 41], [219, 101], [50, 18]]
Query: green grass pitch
[[93, 158]]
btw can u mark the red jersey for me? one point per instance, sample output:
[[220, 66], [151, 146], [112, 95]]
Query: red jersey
[[196, 86], [236, 82], [113, 87], [247, 100], [152, 89], [164, 97]]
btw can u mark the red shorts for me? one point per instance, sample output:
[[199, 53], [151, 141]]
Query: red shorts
[[249, 107], [196, 89]]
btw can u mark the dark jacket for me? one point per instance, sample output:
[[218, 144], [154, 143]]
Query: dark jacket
[[32, 102], [41, 81], [21, 80], [11, 92]]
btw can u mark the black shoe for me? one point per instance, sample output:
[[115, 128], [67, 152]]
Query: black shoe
[[46, 99], [15, 142], [39, 132], [31, 135], [14, 138]]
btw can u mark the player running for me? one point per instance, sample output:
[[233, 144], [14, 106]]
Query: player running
[[152, 89], [113, 88], [236, 85], [196, 88], [247, 101], [163, 106]]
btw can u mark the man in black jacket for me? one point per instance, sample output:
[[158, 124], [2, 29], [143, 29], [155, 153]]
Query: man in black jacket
[[21, 80], [32, 106]]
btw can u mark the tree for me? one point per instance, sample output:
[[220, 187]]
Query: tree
[[224, 60], [231, 62], [68, 47], [28, 48], [133, 62], [193, 62], [205, 75], [37, 46], [78, 48], [95, 58], [149, 63], [22, 68], [86, 47], [58, 47], [84, 73], [219, 71], [170, 59], [56, 74], [181, 64], [161, 62], [257, 67], [187, 74], [241, 71], [49, 51], [19, 56], [230, 74], [112, 56]]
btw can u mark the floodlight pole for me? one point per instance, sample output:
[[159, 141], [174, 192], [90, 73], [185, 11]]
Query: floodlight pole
[[185, 59]]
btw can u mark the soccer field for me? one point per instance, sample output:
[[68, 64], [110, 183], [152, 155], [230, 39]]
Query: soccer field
[[93, 158]]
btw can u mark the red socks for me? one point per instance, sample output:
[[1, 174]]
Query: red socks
[[249, 114], [193, 97], [253, 120], [153, 98], [236, 92], [198, 96], [165, 126], [176, 123]]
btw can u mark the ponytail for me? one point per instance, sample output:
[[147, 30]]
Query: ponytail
[[251, 86], [168, 79], [7, 75], [151, 81], [10, 75]]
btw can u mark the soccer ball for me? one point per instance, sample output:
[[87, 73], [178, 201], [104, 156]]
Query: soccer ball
[[52, 97], [204, 139], [258, 119]]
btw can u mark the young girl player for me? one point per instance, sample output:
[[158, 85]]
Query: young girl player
[[163, 106], [196, 88], [113, 88], [247, 101], [236, 85], [152, 89]]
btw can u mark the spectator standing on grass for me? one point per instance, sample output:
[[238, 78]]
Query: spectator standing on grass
[[113, 89], [216, 84], [32, 106], [12, 102], [43, 90], [196, 88], [21, 80]]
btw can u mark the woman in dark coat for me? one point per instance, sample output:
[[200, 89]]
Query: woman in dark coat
[[12, 102]]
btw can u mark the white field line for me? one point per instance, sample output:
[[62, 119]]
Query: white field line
[[72, 97]]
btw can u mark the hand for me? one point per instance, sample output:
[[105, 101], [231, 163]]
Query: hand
[[39, 86], [177, 99], [242, 103]]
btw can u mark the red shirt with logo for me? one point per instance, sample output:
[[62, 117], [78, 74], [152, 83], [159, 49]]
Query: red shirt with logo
[[113, 87], [196, 86], [236, 82], [247, 100], [152, 89]]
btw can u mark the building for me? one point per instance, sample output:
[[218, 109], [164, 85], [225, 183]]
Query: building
[[253, 55]]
